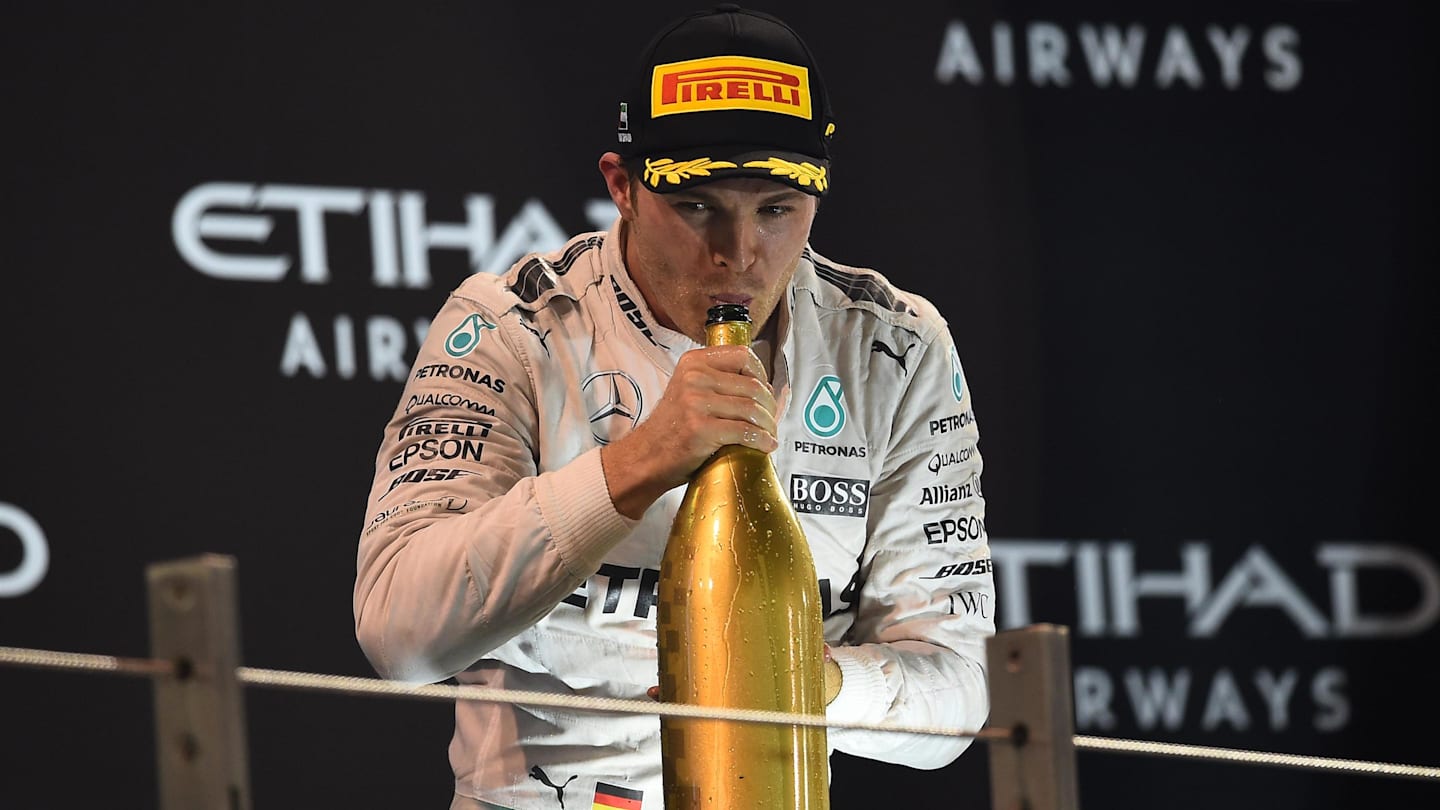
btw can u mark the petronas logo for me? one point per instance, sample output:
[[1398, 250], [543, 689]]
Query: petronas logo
[[957, 377], [464, 338], [825, 412]]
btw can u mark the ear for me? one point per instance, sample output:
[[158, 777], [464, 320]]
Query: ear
[[617, 181]]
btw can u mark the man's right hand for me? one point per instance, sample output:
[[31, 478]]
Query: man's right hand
[[717, 396]]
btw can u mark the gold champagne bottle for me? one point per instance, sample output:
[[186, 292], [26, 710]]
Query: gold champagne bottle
[[740, 627]]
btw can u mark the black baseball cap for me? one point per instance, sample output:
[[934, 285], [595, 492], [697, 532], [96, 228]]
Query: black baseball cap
[[727, 92]]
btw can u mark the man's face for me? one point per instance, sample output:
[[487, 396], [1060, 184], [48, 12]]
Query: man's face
[[726, 242]]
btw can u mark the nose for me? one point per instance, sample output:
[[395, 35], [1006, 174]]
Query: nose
[[734, 243]]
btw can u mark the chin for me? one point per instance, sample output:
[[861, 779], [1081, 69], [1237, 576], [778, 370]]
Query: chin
[[696, 331]]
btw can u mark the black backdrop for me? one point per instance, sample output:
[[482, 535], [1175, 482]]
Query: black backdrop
[[1182, 252]]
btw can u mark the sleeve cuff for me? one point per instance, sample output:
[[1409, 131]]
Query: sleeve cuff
[[863, 696], [575, 502]]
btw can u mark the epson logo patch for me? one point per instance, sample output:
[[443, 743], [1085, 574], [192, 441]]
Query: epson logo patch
[[822, 495]]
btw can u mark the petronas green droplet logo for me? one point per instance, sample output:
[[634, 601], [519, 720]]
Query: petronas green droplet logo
[[825, 413], [464, 338], [957, 379]]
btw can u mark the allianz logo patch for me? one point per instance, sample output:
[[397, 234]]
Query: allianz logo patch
[[823, 495]]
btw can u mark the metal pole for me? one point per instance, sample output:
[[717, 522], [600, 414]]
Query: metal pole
[[1030, 694], [200, 743]]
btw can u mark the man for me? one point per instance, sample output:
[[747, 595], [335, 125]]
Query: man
[[525, 486]]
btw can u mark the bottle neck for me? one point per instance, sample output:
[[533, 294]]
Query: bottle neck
[[728, 333], [732, 333]]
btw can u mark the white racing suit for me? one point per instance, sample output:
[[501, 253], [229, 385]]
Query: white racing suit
[[492, 553]]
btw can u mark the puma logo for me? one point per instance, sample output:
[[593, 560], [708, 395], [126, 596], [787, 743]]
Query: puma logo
[[536, 773], [541, 337], [879, 346]]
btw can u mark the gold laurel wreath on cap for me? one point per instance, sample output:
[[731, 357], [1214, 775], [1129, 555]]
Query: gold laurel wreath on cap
[[804, 173], [674, 172]]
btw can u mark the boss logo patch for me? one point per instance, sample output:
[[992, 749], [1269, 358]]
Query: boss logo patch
[[823, 495]]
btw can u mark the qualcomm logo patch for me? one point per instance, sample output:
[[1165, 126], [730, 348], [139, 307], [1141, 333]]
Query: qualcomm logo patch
[[957, 377], [614, 402], [824, 412], [464, 338]]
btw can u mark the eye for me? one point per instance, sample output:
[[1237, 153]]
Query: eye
[[776, 210], [691, 206]]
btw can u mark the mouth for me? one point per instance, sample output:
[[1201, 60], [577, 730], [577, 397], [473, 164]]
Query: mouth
[[732, 298]]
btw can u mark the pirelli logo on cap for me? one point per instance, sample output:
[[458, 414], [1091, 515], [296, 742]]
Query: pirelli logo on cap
[[730, 83]]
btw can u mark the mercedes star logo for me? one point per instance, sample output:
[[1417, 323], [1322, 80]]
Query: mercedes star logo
[[614, 407]]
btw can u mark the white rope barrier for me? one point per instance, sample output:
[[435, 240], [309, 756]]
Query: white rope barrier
[[1254, 757], [452, 692], [49, 659], [375, 687]]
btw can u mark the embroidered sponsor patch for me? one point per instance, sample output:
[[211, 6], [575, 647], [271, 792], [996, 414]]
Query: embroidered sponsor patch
[[730, 83], [825, 410], [464, 338]]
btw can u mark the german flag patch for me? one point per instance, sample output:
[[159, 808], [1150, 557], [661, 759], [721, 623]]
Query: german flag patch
[[611, 797]]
